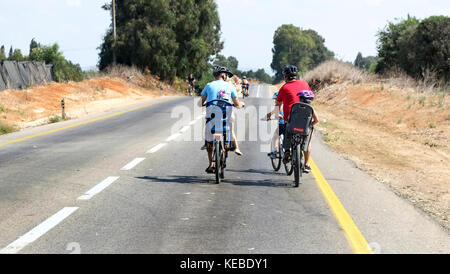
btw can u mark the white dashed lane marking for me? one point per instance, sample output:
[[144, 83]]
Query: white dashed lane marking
[[156, 148], [38, 231], [98, 188], [132, 164]]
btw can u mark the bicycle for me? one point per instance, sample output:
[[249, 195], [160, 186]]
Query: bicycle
[[191, 89], [276, 162], [300, 129], [220, 143], [244, 90]]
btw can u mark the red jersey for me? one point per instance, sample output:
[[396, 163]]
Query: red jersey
[[288, 95]]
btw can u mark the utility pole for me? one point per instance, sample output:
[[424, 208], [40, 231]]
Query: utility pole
[[114, 29]]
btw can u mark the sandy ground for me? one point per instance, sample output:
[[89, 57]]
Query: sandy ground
[[398, 136], [35, 106]]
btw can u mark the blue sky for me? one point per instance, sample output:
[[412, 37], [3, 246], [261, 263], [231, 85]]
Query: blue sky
[[348, 26]]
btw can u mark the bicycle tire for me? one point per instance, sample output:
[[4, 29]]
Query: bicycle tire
[[289, 168], [217, 161], [276, 162], [223, 160], [296, 158]]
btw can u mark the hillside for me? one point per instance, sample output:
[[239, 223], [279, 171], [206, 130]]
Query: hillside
[[35, 106], [398, 134]]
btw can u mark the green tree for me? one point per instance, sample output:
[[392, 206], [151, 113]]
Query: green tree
[[320, 53], [367, 63], [432, 48], [170, 37], [63, 69], [2, 53], [10, 54], [16, 56], [294, 46], [33, 44], [230, 62], [395, 43], [359, 60], [416, 46], [262, 76]]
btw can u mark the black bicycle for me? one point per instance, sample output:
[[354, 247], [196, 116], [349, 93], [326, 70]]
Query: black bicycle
[[191, 89], [244, 90], [276, 161], [221, 133], [300, 129]]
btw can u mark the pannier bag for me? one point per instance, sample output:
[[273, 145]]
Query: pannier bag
[[300, 119]]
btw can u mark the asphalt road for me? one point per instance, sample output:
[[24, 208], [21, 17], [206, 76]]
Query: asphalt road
[[129, 181]]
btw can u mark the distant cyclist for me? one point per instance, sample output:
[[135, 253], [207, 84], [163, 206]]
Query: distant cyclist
[[245, 86], [220, 89], [287, 96], [191, 81]]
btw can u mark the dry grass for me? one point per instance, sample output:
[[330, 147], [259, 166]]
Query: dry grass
[[333, 72], [136, 77], [429, 84], [337, 72]]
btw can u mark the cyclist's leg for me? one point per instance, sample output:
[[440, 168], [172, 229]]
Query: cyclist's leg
[[307, 149], [233, 133]]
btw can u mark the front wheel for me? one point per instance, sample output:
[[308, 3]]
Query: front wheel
[[276, 162]]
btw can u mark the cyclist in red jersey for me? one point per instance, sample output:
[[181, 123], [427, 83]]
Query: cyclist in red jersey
[[287, 96]]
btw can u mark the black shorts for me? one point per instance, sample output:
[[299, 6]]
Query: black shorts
[[281, 129]]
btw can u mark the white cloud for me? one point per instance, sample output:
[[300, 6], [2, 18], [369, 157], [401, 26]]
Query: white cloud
[[73, 3]]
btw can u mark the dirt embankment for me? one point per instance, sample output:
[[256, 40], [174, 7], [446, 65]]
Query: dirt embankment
[[400, 136], [34, 106]]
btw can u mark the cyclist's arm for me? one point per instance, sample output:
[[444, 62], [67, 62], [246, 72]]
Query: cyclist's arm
[[202, 102], [237, 103]]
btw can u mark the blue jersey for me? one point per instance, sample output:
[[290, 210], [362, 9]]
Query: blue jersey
[[219, 90], [281, 121]]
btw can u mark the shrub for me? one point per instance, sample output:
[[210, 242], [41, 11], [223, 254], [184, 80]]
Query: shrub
[[334, 71], [5, 128]]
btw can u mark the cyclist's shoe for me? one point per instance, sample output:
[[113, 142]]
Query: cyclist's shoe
[[307, 169], [204, 147], [287, 157], [210, 169], [238, 152], [272, 155]]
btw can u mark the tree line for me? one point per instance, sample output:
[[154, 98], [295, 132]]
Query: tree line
[[63, 69], [174, 38], [416, 46]]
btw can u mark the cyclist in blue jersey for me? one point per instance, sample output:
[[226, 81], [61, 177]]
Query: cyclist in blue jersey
[[220, 89], [281, 126]]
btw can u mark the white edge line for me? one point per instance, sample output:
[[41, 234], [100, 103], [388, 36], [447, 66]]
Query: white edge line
[[38, 231], [156, 148], [132, 164], [98, 188]]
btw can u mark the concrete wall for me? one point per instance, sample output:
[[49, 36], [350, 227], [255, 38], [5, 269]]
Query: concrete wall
[[20, 75]]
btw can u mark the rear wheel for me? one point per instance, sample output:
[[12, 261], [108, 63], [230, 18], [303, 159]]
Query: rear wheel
[[296, 162], [223, 159], [217, 160]]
